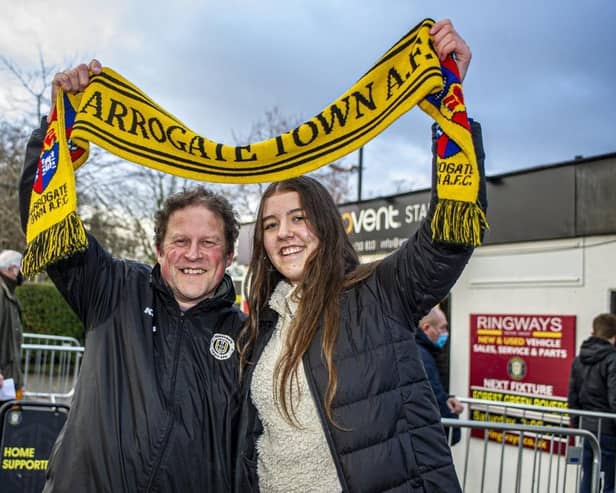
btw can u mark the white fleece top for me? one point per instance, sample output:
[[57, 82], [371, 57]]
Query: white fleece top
[[290, 459]]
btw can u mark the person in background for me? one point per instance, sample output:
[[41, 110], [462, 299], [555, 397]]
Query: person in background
[[156, 404], [592, 387], [11, 324], [337, 398], [430, 339]]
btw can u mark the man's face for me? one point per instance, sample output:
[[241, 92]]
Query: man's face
[[192, 255], [437, 326], [11, 272]]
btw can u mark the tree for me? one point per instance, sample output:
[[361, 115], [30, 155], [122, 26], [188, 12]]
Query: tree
[[118, 202], [35, 83], [11, 159], [334, 177], [113, 213], [116, 199]]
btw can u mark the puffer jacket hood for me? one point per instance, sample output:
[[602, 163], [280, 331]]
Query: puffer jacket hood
[[592, 385], [595, 349]]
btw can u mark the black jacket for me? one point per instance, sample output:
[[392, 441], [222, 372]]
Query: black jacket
[[154, 409], [592, 384], [428, 351], [11, 332], [396, 442]]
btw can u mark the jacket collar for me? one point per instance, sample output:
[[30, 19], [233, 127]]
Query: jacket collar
[[422, 340], [7, 287], [224, 295], [10, 283]]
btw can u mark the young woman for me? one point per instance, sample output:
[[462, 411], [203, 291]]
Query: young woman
[[337, 395]]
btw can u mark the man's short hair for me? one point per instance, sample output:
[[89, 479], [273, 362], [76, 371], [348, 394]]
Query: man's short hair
[[10, 258], [604, 326], [432, 316], [199, 195]]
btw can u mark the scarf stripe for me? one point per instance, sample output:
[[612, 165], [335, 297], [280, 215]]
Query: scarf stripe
[[109, 140], [316, 155]]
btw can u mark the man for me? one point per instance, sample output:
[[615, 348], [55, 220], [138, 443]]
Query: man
[[11, 326], [431, 338], [157, 398], [592, 387]]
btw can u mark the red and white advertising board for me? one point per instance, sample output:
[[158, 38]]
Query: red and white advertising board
[[523, 359]]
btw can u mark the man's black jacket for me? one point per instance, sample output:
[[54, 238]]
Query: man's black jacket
[[592, 384], [155, 405]]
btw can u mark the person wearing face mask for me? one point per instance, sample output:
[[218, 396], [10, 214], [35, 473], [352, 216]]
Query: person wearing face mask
[[11, 326], [431, 339]]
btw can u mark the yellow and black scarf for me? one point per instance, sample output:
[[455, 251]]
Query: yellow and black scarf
[[119, 117]]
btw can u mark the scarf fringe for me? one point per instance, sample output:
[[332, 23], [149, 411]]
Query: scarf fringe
[[458, 222], [57, 242]]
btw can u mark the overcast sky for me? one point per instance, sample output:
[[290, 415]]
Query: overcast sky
[[542, 81]]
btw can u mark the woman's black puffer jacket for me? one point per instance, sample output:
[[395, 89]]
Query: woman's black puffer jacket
[[390, 438]]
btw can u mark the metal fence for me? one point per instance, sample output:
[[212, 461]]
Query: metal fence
[[505, 446], [510, 447], [51, 366]]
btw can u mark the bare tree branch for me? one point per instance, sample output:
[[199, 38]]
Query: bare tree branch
[[11, 158], [35, 82], [117, 199]]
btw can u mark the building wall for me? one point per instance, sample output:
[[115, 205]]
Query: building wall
[[561, 277], [555, 277]]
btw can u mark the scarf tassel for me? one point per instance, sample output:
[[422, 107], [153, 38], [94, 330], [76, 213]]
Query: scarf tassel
[[59, 241], [458, 222]]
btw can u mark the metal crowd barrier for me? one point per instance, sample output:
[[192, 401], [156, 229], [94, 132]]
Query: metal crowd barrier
[[490, 467], [51, 366], [505, 447], [522, 448]]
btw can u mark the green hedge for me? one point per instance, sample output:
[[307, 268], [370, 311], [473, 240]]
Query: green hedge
[[45, 311]]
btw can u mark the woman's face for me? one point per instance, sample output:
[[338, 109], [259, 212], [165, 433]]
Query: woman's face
[[287, 236]]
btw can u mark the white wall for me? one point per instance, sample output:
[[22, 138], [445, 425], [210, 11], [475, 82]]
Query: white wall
[[563, 277]]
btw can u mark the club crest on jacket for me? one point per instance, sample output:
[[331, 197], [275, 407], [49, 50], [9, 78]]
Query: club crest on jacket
[[221, 346]]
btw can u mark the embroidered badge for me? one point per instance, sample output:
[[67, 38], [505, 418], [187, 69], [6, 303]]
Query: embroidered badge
[[222, 346]]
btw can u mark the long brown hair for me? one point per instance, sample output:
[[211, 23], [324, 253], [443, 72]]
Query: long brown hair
[[332, 267]]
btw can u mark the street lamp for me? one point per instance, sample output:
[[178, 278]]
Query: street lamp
[[360, 172], [359, 167]]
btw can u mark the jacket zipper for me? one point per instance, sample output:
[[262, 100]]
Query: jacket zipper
[[324, 422], [176, 358]]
